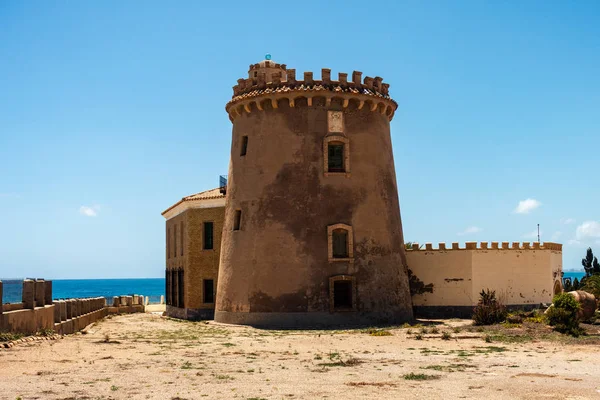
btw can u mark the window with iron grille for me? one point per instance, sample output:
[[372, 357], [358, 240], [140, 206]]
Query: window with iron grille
[[208, 236], [336, 157], [340, 243], [209, 291]]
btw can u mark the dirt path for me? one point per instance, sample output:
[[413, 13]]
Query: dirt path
[[144, 356]]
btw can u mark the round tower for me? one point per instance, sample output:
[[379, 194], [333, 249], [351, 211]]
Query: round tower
[[312, 234]]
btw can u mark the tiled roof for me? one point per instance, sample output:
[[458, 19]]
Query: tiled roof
[[206, 195], [316, 87]]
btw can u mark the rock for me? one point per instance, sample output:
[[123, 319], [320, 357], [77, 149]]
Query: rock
[[514, 319], [588, 304]]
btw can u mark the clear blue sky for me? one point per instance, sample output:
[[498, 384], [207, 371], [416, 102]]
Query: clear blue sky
[[112, 111]]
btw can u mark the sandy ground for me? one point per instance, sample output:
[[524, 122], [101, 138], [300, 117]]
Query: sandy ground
[[145, 356]]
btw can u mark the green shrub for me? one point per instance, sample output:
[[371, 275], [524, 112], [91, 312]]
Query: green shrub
[[8, 336], [563, 314], [489, 310]]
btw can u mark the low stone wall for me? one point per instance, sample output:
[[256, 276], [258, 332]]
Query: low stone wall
[[127, 304], [12, 307], [38, 312]]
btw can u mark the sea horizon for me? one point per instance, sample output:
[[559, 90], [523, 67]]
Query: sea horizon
[[153, 288]]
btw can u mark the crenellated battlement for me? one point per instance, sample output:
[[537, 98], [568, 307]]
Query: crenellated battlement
[[270, 82], [487, 246]]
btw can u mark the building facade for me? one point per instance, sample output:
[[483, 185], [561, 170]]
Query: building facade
[[194, 226]]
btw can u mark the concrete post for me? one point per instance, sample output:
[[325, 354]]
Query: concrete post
[[162, 299], [69, 307], [40, 293], [78, 307], [56, 312], [63, 310], [48, 293], [129, 300], [147, 300], [1, 308], [115, 301], [28, 295]]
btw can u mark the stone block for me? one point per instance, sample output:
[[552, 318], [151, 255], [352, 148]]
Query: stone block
[[48, 293], [116, 301], [69, 308], [63, 310], [40, 292], [56, 312], [28, 294]]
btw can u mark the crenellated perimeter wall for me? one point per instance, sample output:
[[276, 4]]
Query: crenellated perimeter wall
[[447, 281]]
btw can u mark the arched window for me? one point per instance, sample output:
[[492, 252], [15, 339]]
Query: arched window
[[340, 243], [336, 155]]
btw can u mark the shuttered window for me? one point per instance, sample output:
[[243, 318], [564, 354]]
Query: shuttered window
[[208, 236], [209, 291], [335, 157], [340, 243]]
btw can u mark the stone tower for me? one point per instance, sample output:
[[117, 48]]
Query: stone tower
[[312, 233]]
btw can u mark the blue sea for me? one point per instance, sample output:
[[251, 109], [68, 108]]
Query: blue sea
[[574, 274], [153, 287], [74, 288]]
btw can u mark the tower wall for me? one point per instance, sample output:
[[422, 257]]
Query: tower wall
[[277, 269]]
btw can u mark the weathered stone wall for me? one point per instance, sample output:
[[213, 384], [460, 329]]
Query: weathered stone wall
[[38, 312], [278, 262], [521, 275]]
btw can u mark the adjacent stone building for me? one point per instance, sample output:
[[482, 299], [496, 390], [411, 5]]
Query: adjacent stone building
[[193, 247], [307, 230]]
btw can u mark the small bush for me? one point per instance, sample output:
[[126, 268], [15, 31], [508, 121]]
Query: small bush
[[420, 377], [435, 329], [45, 332], [418, 336], [446, 335], [379, 332], [9, 337], [563, 314], [489, 310]]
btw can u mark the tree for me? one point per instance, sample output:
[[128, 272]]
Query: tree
[[576, 285], [568, 285], [590, 263], [592, 285]]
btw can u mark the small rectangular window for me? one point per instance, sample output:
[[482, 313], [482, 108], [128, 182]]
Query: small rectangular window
[[208, 236], [181, 239], [340, 243], [175, 240], [209, 291], [180, 288], [237, 221], [342, 295], [169, 243], [244, 146], [335, 157]]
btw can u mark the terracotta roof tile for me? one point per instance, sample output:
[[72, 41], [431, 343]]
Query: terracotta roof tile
[[206, 195]]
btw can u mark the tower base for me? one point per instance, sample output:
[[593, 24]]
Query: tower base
[[310, 320]]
